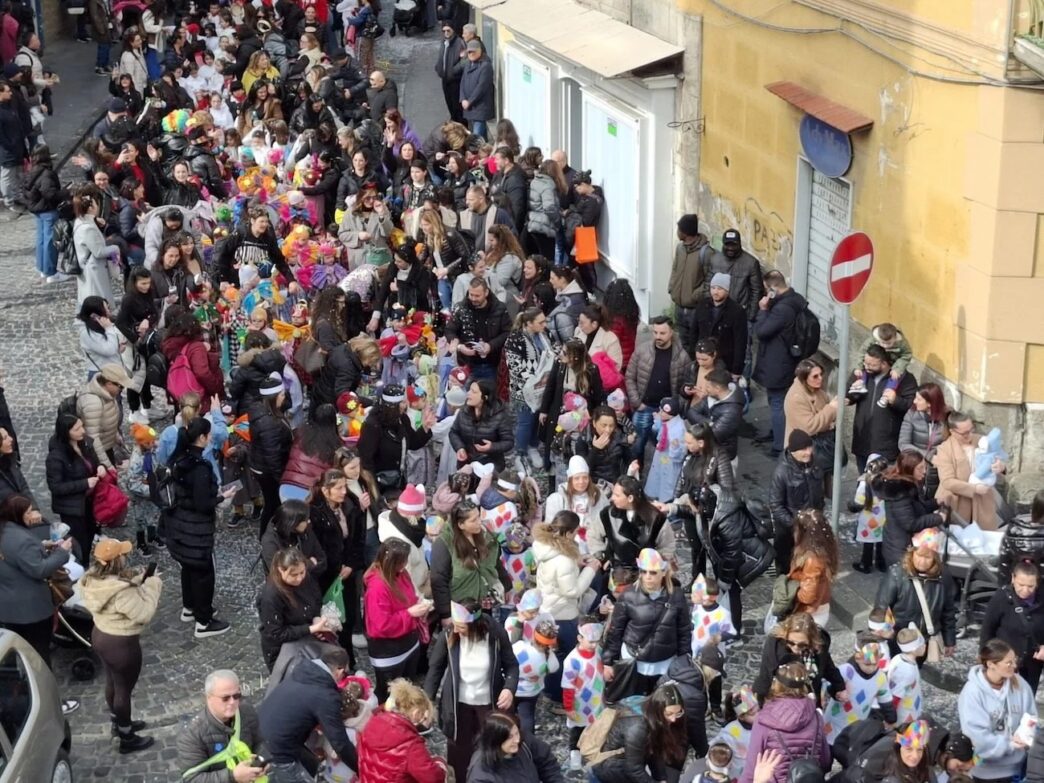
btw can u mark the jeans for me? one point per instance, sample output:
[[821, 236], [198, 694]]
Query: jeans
[[152, 64], [779, 421], [101, 60], [46, 252], [292, 492], [480, 128], [525, 427], [445, 293], [525, 706], [483, 372], [643, 430]]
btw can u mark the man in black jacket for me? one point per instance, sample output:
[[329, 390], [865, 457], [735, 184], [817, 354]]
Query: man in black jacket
[[478, 329], [510, 181], [450, 67], [382, 95], [309, 696], [721, 317], [722, 409], [797, 484], [201, 160], [880, 405], [252, 243]]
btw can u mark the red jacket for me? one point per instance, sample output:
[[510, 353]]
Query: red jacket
[[391, 751], [626, 335], [205, 365], [303, 470], [386, 616]]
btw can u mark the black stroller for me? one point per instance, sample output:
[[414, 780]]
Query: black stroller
[[73, 630], [408, 16]]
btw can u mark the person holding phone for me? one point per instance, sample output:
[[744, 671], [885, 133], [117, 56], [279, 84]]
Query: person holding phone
[[123, 601]]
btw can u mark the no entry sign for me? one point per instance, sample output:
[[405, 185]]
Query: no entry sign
[[850, 267]]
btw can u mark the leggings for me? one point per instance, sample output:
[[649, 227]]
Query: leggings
[[270, 491], [383, 677], [121, 656]]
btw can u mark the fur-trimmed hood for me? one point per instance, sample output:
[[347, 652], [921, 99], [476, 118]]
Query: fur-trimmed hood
[[894, 488]]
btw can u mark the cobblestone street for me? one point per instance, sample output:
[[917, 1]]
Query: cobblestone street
[[41, 363]]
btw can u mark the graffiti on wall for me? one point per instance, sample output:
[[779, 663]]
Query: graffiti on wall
[[766, 234]]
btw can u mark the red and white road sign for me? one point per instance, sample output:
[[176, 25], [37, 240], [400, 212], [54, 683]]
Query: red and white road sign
[[850, 267]]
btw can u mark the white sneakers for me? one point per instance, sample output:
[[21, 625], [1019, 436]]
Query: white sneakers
[[140, 417], [57, 277], [576, 762]]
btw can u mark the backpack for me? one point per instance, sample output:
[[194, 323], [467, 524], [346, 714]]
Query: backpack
[[161, 486], [156, 370], [803, 335], [180, 378], [805, 767], [593, 738], [62, 237]]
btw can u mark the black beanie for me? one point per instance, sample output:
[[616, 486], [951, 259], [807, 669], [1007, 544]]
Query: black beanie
[[798, 440]]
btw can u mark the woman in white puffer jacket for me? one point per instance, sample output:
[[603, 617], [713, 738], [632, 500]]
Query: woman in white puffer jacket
[[562, 577]]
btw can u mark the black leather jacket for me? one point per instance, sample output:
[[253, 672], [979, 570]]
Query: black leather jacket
[[724, 418], [795, 486], [1023, 540], [897, 591]]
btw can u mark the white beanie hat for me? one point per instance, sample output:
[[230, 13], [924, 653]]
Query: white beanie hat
[[577, 465]]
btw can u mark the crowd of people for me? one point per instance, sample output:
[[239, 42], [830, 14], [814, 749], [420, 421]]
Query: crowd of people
[[382, 355]]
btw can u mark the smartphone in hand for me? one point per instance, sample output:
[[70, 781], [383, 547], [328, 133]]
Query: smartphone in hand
[[150, 569]]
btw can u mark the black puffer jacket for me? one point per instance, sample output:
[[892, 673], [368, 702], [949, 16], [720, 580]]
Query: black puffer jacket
[[697, 471], [283, 536], [205, 166], [286, 618], [1018, 622], [607, 464], [254, 367], [1023, 540], [820, 665], [67, 476], [736, 547], [190, 524], [653, 629], [270, 441], [689, 682], [795, 486], [494, 426], [907, 512], [724, 418], [341, 373], [381, 445], [897, 591], [42, 191], [631, 733]]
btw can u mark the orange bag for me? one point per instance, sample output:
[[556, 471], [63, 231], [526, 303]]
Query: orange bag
[[585, 243]]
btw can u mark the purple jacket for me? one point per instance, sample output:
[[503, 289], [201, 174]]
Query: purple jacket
[[793, 723]]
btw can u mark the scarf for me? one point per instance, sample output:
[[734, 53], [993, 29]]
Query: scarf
[[415, 535]]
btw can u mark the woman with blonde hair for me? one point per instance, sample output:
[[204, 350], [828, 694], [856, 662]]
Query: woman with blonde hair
[[259, 67], [444, 249], [122, 602], [391, 747], [504, 257], [798, 637]]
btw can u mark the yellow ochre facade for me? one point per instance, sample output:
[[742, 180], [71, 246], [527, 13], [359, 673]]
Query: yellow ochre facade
[[948, 181]]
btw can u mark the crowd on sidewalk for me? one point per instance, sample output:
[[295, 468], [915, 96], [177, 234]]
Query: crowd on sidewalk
[[386, 351]]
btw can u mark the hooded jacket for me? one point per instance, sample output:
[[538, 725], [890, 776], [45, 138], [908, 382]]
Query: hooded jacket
[[807, 410], [908, 513], [563, 319], [67, 476], [989, 717], [392, 751], [792, 727], [544, 215], [121, 607], [689, 271], [190, 524], [558, 576], [254, 366], [290, 712], [101, 417]]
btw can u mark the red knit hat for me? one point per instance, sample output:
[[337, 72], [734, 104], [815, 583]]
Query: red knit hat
[[414, 393], [412, 501]]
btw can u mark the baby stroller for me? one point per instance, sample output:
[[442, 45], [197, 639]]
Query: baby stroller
[[73, 630], [408, 14], [972, 556]]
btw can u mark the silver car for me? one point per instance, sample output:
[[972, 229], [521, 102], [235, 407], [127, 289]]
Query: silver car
[[34, 735]]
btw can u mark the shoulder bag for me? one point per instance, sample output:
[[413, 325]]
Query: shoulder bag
[[625, 673], [935, 648]]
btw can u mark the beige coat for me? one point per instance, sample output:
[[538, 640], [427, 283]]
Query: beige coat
[[808, 411], [101, 417], [604, 340], [121, 607], [954, 489]]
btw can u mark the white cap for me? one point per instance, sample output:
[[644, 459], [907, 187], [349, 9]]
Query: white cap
[[577, 465]]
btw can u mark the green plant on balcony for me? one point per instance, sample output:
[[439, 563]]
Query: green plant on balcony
[[1036, 30]]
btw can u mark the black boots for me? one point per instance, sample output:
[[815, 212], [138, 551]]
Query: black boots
[[130, 740], [153, 535], [873, 556], [143, 546]]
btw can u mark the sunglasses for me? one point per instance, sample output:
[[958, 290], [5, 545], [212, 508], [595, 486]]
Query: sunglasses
[[231, 697]]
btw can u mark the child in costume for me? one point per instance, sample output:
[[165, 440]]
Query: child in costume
[[536, 659], [871, 520], [867, 689], [583, 686], [741, 708], [617, 400], [881, 623], [711, 625], [523, 622], [420, 463], [517, 556], [719, 763], [142, 512], [904, 676], [669, 430]]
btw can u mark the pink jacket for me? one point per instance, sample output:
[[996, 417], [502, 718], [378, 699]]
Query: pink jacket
[[387, 616]]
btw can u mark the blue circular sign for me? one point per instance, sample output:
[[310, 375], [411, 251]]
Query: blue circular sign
[[828, 149]]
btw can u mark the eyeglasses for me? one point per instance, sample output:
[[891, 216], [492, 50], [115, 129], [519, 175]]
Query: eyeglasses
[[230, 697], [797, 646]]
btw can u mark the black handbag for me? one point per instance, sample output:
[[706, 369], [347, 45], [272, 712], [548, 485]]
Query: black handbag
[[823, 451], [389, 480]]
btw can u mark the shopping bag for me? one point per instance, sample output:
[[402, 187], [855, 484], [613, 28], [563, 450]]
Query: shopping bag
[[586, 245], [335, 595]]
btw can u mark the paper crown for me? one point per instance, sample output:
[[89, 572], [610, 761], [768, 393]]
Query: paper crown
[[650, 560], [914, 644], [461, 615], [699, 588], [433, 525], [887, 625], [915, 736], [570, 421], [590, 632], [745, 701], [870, 652], [574, 402], [530, 600], [517, 535], [929, 538], [617, 400]]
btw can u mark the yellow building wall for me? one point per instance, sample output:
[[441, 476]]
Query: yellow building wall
[[937, 156]]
